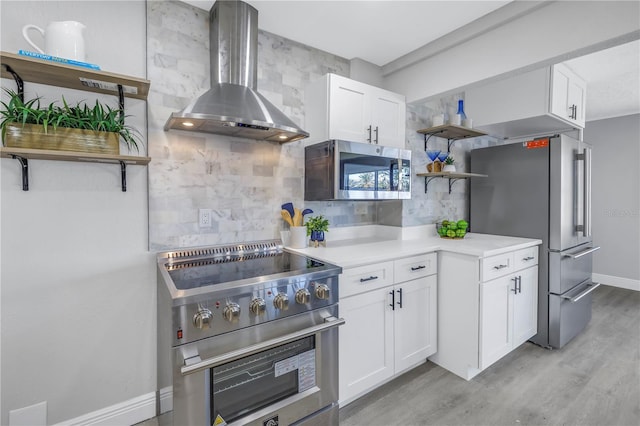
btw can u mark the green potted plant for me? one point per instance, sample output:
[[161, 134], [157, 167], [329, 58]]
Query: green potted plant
[[316, 227], [96, 129], [449, 165]]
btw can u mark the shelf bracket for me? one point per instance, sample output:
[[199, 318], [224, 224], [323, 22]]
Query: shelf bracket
[[24, 163], [427, 180], [123, 175], [121, 102], [18, 80], [452, 181], [426, 140]]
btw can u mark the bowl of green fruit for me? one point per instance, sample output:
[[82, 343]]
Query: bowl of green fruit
[[452, 229]]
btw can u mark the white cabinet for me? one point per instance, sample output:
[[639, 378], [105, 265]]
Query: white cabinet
[[391, 321], [508, 314], [549, 99], [568, 96], [340, 108], [486, 308]]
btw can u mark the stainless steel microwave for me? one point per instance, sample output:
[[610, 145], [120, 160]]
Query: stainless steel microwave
[[342, 170]]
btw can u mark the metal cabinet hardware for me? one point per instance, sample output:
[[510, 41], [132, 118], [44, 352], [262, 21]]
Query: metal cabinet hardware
[[528, 258], [376, 130], [393, 300], [371, 278], [500, 267], [416, 268], [400, 302], [369, 130]]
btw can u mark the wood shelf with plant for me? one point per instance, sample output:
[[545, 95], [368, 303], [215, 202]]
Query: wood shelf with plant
[[64, 132]]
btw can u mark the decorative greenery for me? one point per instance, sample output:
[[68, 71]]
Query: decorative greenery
[[449, 160], [317, 223], [98, 118]]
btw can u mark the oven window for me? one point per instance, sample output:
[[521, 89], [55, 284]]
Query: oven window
[[249, 384], [359, 172]]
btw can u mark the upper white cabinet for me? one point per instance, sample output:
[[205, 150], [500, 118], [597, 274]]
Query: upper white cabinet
[[549, 99], [568, 95], [337, 107]]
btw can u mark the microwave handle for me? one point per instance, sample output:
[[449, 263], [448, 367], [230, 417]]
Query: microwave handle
[[198, 365]]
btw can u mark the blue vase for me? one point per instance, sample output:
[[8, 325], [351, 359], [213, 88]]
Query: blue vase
[[317, 237], [460, 112]]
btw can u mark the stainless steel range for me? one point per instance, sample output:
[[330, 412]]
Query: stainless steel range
[[247, 334]]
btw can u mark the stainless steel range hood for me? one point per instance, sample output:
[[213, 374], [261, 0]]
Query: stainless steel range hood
[[233, 106]]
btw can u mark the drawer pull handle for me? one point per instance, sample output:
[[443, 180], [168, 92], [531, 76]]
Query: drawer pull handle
[[416, 268], [528, 258], [371, 278], [500, 267]]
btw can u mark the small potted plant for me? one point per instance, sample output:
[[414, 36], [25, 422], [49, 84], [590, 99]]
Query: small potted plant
[[316, 227], [95, 129], [448, 165]]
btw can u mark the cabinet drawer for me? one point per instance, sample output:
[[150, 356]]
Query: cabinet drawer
[[496, 266], [525, 257], [415, 267], [365, 278]]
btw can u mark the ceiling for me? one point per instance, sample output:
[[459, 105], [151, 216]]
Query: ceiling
[[382, 31]]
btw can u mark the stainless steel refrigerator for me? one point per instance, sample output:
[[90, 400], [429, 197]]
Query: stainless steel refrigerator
[[542, 189]]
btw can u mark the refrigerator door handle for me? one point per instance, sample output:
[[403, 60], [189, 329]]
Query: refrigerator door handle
[[590, 287], [579, 194], [582, 253], [586, 212]]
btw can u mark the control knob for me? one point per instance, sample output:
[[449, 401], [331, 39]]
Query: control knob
[[281, 301], [303, 296], [203, 319], [322, 291], [231, 312], [257, 306]]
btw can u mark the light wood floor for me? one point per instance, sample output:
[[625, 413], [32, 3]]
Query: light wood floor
[[594, 380]]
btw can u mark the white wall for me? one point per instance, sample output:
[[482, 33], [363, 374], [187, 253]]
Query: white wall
[[77, 289], [553, 33], [616, 199]]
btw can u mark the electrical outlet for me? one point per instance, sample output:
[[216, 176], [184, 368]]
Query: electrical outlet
[[204, 218]]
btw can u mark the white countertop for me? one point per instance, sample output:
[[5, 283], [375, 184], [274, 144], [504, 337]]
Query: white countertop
[[364, 250]]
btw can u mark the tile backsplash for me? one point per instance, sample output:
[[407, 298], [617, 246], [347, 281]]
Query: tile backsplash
[[244, 182]]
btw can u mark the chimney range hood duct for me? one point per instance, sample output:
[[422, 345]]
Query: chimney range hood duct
[[232, 106]]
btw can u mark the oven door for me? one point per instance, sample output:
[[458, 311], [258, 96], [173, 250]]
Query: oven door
[[282, 372]]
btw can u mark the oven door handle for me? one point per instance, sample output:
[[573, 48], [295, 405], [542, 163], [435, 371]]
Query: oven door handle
[[329, 323]]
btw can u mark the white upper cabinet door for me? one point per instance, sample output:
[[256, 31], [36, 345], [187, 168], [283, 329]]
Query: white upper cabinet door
[[349, 110], [388, 119], [568, 95]]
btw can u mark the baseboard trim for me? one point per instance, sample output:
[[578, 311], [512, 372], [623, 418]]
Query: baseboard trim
[[166, 399], [614, 281], [128, 412]]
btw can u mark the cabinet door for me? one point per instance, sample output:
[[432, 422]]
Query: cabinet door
[[568, 95], [415, 321], [349, 110], [496, 316], [577, 100], [365, 342], [525, 306], [388, 111]]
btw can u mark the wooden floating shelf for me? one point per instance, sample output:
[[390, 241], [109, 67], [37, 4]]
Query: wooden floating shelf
[[23, 155], [451, 175], [72, 77], [452, 132], [44, 154]]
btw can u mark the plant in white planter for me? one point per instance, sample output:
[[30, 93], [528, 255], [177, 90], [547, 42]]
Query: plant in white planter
[[449, 165]]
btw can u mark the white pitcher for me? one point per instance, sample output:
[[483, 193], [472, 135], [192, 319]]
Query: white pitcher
[[63, 39]]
